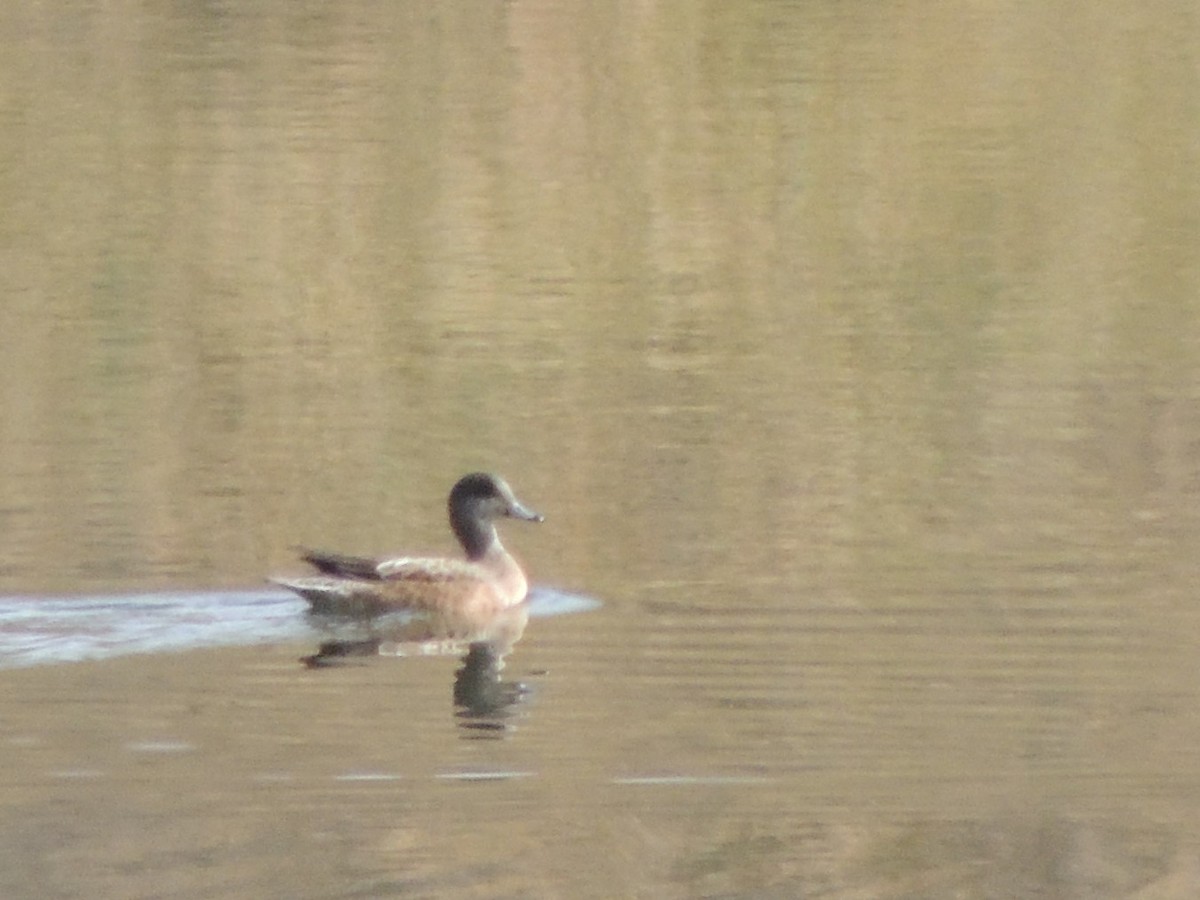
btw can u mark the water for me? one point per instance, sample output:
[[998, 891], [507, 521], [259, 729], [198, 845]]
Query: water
[[54, 630], [49, 630], [850, 353]]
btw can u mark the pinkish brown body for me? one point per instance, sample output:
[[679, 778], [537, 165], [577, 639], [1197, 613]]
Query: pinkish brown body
[[487, 581]]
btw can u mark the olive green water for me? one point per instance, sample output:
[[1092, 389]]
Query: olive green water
[[851, 351]]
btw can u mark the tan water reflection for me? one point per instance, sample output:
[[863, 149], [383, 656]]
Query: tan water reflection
[[853, 348], [483, 700]]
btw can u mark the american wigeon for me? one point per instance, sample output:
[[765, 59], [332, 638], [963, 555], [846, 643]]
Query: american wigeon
[[487, 581]]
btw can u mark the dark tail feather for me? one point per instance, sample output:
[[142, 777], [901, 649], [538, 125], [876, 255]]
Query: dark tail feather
[[340, 565]]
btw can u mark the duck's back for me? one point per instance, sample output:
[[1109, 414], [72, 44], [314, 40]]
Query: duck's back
[[415, 583]]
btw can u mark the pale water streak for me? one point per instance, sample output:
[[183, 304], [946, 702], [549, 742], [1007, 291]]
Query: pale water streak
[[47, 630], [852, 352]]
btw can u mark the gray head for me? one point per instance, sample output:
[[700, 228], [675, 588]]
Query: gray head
[[476, 501]]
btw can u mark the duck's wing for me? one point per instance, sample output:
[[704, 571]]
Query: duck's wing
[[403, 568], [397, 584], [342, 565], [429, 569]]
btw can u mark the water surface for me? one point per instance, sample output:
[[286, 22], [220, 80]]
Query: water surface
[[853, 355]]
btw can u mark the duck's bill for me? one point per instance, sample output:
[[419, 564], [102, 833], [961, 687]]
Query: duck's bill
[[517, 511]]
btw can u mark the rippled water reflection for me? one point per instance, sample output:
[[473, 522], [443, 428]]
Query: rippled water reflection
[[850, 351], [48, 630]]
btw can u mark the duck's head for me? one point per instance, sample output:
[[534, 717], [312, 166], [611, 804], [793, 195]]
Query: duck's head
[[476, 501]]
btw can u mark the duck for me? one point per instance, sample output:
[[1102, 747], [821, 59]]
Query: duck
[[487, 582]]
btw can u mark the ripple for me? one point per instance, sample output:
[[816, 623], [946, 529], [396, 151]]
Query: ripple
[[47, 630], [160, 747]]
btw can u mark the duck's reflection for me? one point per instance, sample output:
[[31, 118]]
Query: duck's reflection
[[484, 703]]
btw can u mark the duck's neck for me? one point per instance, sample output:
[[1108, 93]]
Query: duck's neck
[[478, 538]]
